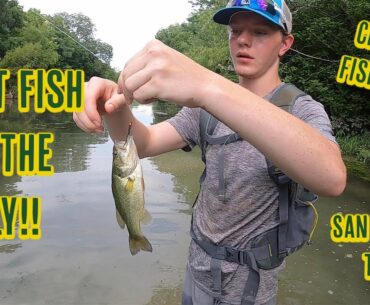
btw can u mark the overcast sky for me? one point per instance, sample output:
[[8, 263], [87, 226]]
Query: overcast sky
[[126, 25]]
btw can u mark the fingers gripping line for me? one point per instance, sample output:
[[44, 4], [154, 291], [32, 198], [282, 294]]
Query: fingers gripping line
[[140, 79]]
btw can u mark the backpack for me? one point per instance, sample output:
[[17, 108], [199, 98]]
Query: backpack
[[297, 214]]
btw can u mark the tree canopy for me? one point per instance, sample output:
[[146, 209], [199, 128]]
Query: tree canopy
[[65, 41], [323, 30], [11, 16]]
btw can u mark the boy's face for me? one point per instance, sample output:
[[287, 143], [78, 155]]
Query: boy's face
[[255, 45]]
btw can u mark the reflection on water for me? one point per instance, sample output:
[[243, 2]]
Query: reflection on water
[[72, 151], [10, 248], [83, 256], [185, 174]]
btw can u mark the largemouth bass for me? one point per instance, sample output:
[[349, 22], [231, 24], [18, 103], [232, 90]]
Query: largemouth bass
[[128, 193]]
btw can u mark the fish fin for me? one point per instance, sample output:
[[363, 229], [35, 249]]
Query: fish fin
[[146, 217], [139, 243], [130, 184], [120, 221]]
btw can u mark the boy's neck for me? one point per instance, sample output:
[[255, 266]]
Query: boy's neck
[[261, 86]]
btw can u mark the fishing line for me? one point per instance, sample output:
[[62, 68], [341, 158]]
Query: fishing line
[[69, 36], [92, 53], [314, 57]]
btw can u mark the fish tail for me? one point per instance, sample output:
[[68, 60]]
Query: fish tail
[[138, 243]]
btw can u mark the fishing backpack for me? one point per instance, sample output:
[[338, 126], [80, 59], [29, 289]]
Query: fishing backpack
[[297, 214]]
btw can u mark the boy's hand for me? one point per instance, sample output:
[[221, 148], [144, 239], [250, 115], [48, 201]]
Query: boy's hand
[[160, 72], [101, 97]]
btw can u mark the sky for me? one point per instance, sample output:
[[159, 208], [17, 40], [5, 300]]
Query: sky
[[126, 25]]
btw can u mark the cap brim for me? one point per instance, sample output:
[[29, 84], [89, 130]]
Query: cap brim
[[223, 15]]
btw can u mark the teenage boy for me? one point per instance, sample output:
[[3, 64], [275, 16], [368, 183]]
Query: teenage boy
[[300, 143]]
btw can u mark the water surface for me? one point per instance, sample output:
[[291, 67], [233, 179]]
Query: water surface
[[83, 255]]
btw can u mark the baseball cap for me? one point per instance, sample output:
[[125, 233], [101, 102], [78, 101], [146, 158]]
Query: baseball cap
[[275, 11]]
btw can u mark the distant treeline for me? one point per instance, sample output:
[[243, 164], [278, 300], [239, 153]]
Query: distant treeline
[[65, 41], [324, 30]]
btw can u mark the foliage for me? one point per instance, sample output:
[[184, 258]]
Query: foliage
[[77, 27], [32, 40], [323, 29], [201, 39], [163, 111], [357, 146], [11, 17], [33, 46], [326, 29], [65, 41], [30, 55]]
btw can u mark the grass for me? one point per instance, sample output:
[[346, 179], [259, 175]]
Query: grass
[[356, 154], [356, 146]]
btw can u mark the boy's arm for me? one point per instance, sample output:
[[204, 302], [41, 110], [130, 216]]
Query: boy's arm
[[103, 100], [300, 151]]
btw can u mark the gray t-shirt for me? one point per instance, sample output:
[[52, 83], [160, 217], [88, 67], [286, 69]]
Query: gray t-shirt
[[251, 205]]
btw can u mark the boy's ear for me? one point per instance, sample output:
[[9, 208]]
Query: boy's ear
[[286, 44]]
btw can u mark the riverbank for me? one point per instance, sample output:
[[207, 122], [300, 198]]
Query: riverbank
[[356, 154], [357, 168]]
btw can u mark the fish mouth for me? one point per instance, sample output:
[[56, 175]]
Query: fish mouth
[[129, 131], [123, 144]]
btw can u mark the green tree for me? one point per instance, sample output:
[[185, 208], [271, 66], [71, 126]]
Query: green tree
[[200, 5], [11, 16], [324, 30], [33, 47], [78, 47], [201, 39], [29, 55]]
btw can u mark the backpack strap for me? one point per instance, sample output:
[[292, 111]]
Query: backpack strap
[[284, 98], [206, 122], [242, 257], [207, 127]]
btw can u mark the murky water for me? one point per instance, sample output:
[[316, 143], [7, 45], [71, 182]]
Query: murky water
[[83, 255]]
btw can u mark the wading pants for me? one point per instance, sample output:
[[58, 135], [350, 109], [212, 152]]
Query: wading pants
[[193, 295]]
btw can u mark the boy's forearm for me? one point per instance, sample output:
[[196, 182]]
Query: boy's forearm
[[301, 152]]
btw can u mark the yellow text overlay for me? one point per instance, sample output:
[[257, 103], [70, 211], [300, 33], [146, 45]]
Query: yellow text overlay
[[52, 90], [24, 211], [4, 76], [26, 154], [354, 71], [362, 37], [366, 259], [350, 228]]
